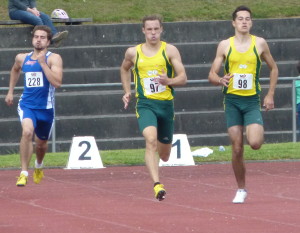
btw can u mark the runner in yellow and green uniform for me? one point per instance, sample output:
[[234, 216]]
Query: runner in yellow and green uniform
[[242, 92], [157, 68], [242, 56]]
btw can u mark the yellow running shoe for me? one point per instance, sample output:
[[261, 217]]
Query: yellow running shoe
[[159, 192], [22, 180], [38, 175]]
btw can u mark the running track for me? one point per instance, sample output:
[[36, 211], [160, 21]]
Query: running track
[[120, 200]]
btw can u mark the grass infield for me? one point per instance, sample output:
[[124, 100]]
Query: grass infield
[[268, 152], [132, 11]]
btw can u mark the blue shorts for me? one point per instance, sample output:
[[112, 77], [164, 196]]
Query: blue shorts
[[42, 120]]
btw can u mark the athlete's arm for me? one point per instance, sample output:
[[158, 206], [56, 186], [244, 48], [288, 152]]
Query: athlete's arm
[[54, 69], [267, 57], [213, 76], [175, 58], [126, 74], [14, 77]]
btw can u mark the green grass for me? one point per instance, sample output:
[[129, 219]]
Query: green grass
[[280, 151], [121, 11]]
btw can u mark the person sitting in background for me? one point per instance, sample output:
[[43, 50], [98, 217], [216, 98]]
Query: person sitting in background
[[26, 11]]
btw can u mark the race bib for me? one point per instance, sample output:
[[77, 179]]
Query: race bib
[[242, 81], [34, 79], [152, 86]]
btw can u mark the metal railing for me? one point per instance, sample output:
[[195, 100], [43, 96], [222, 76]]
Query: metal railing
[[293, 79]]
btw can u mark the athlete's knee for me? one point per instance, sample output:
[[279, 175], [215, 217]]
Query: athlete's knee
[[255, 136], [27, 133], [151, 142], [237, 152], [41, 146], [255, 145], [164, 156], [164, 151]]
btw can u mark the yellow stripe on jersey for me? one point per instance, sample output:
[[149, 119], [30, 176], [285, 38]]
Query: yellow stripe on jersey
[[146, 71], [246, 69]]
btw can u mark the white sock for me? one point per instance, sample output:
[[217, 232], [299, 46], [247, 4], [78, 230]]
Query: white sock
[[24, 173], [242, 190], [36, 165]]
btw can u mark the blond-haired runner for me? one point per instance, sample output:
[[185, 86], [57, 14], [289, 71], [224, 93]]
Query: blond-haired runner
[[242, 56], [157, 68]]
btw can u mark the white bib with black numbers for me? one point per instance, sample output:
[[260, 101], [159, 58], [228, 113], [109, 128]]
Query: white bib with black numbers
[[152, 86], [34, 79], [242, 81]]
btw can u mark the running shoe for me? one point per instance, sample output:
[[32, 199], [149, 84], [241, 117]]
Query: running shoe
[[240, 196], [38, 175], [22, 180], [160, 192]]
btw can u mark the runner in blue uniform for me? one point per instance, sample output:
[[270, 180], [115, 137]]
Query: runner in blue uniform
[[42, 74]]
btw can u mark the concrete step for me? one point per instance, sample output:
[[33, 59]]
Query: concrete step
[[196, 98], [19, 37], [205, 128], [112, 56], [112, 75], [125, 125]]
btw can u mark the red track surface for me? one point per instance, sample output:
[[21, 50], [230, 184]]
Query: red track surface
[[120, 200]]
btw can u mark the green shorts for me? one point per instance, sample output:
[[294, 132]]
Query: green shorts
[[242, 110], [157, 113]]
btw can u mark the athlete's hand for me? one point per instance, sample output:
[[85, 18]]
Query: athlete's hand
[[225, 80], [163, 78], [9, 99], [126, 99], [41, 57], [268, 102]]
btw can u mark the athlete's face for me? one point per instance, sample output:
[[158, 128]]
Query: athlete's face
[[243, 22], [40, 40], [152, 31]]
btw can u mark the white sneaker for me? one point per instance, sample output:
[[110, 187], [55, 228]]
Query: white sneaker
[[240, 196]]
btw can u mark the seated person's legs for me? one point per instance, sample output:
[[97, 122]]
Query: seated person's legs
[[26, 17], [48, 22]]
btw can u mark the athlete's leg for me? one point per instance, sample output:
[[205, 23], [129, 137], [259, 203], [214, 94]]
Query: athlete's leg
[[238, 165], [41, 147], [255, 135], [45, 119], [164, 151], [26, 146], [151, 158]]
